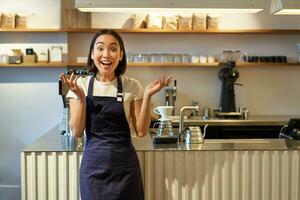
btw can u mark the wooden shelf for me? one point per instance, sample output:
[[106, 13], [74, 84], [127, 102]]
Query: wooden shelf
[[216, 64], [173, 64], [155, 64], [226, 31], [35, 65], [32, 30], [262, 64]]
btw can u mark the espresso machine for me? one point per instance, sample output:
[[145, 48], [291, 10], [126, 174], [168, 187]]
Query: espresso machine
[[228, 75]]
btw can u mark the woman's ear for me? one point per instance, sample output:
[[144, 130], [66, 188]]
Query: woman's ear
[[92, 54], [121, 55]]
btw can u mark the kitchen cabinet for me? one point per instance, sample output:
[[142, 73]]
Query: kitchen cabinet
[[70, 35]]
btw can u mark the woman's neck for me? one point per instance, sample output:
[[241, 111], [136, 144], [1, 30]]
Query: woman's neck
[[105, 78]]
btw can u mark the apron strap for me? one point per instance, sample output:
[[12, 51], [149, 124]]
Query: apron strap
[[91, 87], [119, 92]]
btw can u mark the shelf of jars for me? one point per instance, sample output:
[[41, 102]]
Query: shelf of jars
[[215, 31], [215, 64], [149, 64]]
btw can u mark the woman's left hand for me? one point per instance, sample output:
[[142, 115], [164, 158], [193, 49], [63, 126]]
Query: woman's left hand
[[157, 85]]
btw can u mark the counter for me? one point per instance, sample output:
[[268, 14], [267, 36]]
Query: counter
[[54, 141], [217, 169], [253, 120]]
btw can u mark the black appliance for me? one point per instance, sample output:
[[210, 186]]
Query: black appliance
[[292, 130], [228, 75]]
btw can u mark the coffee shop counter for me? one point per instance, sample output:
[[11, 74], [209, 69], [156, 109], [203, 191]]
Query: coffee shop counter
[[216, 169], [252, 120]]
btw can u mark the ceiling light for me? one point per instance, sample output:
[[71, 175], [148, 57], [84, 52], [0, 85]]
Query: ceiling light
[[285, 7], [173, 6]]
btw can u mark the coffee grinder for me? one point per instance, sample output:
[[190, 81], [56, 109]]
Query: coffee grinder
[[170, 96], [228, 75]]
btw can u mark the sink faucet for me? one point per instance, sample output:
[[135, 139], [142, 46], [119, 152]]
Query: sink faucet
[[181, 122]]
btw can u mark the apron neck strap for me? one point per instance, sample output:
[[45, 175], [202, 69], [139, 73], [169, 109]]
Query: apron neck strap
[[119, 92], [91, 86]]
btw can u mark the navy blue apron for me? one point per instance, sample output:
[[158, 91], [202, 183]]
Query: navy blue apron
[[109, 168]]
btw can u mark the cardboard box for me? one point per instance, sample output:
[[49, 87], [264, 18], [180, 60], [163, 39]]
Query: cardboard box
[[56, 54], [43, 55], [14, 59], [29, 59]]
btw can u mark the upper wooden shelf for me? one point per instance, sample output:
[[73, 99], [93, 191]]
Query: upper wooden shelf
[[32, 30], [227, 31], [51, 65]]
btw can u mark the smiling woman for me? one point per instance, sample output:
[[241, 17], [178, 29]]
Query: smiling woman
[[108, 56], [110, 106]]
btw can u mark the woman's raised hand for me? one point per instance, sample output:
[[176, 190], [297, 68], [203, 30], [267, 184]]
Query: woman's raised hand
[[72, 85], [157, 85]]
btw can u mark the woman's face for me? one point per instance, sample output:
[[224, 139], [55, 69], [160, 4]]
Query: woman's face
[[106, 54]]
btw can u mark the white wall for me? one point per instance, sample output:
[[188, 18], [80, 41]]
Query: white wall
[[29, 100], [30, 105], [278, 83]]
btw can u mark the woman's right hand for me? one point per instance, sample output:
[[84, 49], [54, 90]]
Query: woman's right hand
[[72, 85]]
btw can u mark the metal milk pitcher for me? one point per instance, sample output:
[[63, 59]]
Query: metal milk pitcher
[[194, 135]]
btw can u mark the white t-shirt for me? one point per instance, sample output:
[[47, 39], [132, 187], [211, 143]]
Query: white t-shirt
[[132, 91]]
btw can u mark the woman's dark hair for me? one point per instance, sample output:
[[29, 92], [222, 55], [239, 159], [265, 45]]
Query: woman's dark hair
[[121, 68]]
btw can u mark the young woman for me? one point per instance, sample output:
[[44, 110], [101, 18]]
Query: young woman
[[109, 106]]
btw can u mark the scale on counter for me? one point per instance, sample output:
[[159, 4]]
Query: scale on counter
[[162, 139], [164, 133]]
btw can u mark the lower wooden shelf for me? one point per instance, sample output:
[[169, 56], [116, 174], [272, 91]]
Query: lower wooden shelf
[[216, 64]]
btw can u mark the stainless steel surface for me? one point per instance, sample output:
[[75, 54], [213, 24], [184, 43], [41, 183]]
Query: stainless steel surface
[[53, 141], [193, 135], [255, 120], [181, 123], [228, 114]]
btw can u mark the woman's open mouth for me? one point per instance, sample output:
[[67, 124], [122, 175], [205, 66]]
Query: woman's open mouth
[[107, 63]]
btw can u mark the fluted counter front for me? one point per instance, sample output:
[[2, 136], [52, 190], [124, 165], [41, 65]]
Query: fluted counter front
[[217, 169]]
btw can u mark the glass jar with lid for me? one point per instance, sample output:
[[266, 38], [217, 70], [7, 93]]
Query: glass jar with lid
[[177, 58], [155, 58]]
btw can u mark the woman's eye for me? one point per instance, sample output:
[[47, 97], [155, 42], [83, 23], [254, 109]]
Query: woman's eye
[[114, 49]]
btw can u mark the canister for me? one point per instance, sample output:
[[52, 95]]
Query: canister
[[56, 54]]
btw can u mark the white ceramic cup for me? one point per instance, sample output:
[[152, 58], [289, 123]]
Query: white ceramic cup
[[164, 111]]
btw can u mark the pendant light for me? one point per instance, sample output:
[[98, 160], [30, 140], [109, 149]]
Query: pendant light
[[176, 6], [285, 7]]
